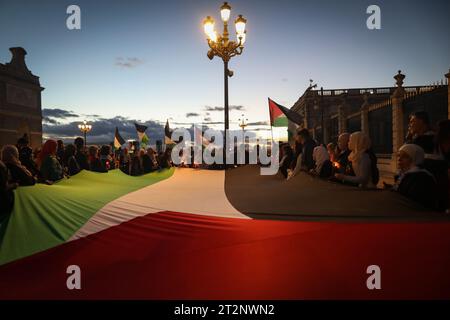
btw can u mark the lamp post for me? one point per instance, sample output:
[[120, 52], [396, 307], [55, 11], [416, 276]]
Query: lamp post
[[221, 46], [321, 114], [85, 128]]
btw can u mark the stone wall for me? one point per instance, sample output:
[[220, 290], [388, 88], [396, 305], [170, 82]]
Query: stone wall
[[20, 101]]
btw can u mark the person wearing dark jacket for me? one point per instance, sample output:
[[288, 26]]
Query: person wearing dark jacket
[[286, 159], [19, 174], [26, 159], [6, 191], [149, 162], [105, 158], [72, 165], [80, 154], [304, 160], [60, 153], [50, 168], [420, 133], [135, 165], [342, 163], [414, 182], [94, 161]]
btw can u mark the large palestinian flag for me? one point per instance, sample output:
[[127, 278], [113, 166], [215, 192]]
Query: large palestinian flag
[[209, 234]]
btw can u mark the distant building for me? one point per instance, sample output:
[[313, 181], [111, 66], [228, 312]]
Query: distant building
[[20, 101], [382, 113]]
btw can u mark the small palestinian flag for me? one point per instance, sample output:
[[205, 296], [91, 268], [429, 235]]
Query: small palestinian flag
[[141, 133], [118, 140], [280, 116], [168, 134]]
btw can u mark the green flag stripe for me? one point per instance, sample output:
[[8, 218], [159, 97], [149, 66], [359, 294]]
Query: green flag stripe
[[45, 216], [281, 121]]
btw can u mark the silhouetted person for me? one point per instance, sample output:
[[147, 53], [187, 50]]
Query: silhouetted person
[[80, 154], [105, 157], [124, 161], [287, 157], [414, 182], [50, 168], [149, 162], [19, 173], [342, 161], [419, 131], [360, 161], [135, 165], [322, 164], [94, 160], [60, 152], [72, 165]]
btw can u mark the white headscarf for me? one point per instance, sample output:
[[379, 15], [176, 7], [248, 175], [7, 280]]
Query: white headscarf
[[358, 144], [417, 155], [415, 152], [320, 155]]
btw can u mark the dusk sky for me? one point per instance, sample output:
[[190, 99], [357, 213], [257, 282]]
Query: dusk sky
[[146, 60]]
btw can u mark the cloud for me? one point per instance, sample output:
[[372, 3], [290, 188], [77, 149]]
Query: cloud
[[284, 80], [58, 113], [233, 107], [103, 130], [50, 120], [129, 62], [192, 114]]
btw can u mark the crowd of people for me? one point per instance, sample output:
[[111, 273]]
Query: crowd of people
[[21, 166], [423, 161]]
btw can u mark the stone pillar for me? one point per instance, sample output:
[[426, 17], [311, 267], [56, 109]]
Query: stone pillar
[[326, 131], [398, 131], [365, 114], [305, 119], [448, 94], [342, 117]]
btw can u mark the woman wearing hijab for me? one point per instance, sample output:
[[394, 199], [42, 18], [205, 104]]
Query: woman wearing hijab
[[360, 160], [414, 182], [19, 173], [50, 168], [323, 167]]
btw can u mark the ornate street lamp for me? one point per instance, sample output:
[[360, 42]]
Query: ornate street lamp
[[221, 46], [243, 123], [85, 128]]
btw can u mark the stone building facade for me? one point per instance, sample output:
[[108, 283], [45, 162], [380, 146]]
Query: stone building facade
[[20, 101]]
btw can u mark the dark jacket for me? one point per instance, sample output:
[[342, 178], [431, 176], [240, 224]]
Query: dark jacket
[[26, 158], [307, 154], [96, 165], [426, 141], [82, 160], [6, 192], [72, 166], [421, 187], [147, 164], [20, 175], [51, 169], [342, 159]]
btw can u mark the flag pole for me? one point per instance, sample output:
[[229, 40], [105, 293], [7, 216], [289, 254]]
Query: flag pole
[[270, 114]]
